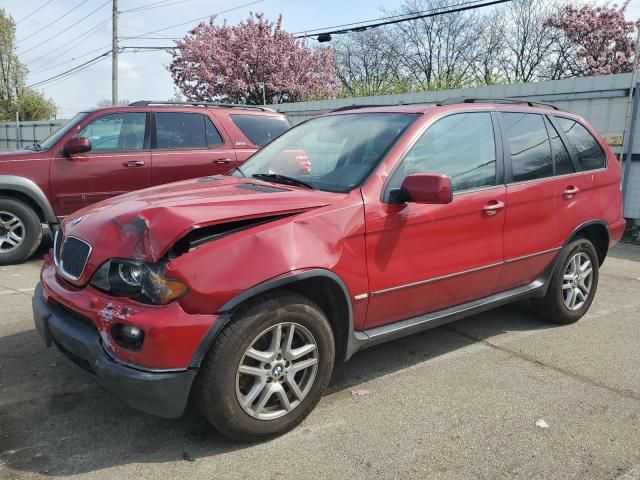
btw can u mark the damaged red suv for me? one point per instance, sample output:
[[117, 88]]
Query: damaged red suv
[[243, 291]]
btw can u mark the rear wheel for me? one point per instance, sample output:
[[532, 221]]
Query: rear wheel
[[20, 231], [573, 285], [267, 369]]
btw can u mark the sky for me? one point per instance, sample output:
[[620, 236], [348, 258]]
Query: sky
[[49, 45]]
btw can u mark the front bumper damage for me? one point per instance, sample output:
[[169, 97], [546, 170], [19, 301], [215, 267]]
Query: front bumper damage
[[164, 394]]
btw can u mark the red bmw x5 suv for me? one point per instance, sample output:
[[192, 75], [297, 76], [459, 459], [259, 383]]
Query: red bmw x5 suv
[[243, 291]]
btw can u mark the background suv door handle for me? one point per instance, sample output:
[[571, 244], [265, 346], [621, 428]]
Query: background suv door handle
[[570, 192], [493, 207], [222, 160], [133, 163]]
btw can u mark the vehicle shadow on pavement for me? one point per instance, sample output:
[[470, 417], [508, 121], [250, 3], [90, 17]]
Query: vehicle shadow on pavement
[[55, 420]]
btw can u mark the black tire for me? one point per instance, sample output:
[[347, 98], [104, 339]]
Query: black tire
[[552, 306], [215, 386], [32, 234]]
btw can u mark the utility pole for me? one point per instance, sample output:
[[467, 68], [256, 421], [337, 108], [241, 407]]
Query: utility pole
[[114, 54]]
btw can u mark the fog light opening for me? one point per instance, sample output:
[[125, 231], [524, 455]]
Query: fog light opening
[[127, 336]]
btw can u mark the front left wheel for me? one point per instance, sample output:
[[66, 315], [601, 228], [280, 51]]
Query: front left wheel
[[268, 368], [20, 231]]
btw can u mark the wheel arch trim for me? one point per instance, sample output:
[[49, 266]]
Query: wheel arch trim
[[278, 282], [587, 224], [29, 188]]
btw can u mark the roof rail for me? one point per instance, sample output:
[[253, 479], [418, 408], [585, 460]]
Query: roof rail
[[518, 101], [356, 107], [146, 103]]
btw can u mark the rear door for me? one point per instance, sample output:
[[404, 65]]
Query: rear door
[[188, 145], [423, 258], [545, 199], [119, 161]]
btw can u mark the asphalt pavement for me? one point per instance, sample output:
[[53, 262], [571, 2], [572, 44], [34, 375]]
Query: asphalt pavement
[[500, 395]]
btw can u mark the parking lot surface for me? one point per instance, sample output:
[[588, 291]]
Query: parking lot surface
[[460, 401]]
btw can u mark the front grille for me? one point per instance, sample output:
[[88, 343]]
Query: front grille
[[73, 257]]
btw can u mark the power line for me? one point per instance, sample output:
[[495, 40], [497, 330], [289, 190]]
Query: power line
[[66, 29], [77, 68], [70, 60], [198, 19], [391, 17], [326, 35], [34, 12], [54, 21], [151, 6], [81, 37]]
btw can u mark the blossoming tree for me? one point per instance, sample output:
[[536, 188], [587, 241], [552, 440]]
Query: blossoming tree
[[234, 63], [601, 34]]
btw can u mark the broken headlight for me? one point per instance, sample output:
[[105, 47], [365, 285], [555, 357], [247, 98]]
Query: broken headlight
[[144, 282]]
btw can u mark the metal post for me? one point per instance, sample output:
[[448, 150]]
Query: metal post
[[18, 136], [633, 82], [114, 53], [632, 131]]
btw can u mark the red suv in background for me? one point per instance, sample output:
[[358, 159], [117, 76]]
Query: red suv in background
[[111, 151], [243, 291]]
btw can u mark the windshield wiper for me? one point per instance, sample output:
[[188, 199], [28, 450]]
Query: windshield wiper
[[35, 147], [277, 178]]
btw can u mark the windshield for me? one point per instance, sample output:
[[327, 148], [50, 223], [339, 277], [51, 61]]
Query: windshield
[[334, 153], [58, 134]]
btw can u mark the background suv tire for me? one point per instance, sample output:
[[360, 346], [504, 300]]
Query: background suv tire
[[20, 231], [573, 284], [268, 368]]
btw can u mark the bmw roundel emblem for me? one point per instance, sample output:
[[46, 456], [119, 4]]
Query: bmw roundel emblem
[[78, 220]]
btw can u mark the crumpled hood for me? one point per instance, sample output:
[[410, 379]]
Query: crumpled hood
[[145, 224]]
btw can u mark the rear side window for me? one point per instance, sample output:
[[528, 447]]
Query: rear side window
[[212, 134], [261, 129], [529, 146], [561, 157], [461, 146], [180, 130], [587, 148]]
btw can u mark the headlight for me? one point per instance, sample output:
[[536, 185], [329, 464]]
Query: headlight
[[144, 282]]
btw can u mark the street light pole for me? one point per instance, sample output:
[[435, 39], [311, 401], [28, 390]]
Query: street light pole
[[114, 54]]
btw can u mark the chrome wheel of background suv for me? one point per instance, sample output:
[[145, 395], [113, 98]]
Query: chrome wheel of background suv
[[12, 232], [577, 281], [277, 371]]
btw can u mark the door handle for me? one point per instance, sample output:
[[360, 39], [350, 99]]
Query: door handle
[[570, 192], [493, 207], [221, 161], [133, 163]]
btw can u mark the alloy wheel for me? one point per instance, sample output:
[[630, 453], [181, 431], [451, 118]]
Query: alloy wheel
[[12, 232], [277, 371], [577, 281]]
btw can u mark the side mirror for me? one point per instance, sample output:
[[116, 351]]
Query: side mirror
[[425, 188], [76, 145]]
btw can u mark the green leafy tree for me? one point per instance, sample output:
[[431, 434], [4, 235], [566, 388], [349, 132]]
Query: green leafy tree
[[14, 95]]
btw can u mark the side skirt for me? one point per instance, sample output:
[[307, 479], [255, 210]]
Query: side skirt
[[374, 336]]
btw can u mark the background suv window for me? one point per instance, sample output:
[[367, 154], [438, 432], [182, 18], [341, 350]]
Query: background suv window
[[587, 148], [212, 134], [116, 132], [461, 146], [180, 130], [261, 129], [528, 145], [561, 158]]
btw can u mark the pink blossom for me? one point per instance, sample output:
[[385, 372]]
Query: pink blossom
[[230, 63]]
